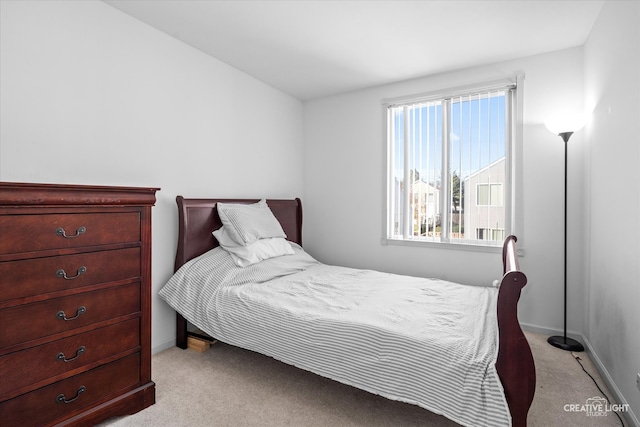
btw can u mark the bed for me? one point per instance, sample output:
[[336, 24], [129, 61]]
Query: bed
[[271, 307]]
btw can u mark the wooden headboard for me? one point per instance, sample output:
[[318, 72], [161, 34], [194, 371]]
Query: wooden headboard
[[198, 218]]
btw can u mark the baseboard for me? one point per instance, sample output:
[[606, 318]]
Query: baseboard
[[163, 346], [629, 415], [550, 332]]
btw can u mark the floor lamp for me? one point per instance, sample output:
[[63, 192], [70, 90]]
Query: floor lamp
[[564, 127]]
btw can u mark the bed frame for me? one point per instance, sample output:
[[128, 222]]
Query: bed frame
[[197, 218]]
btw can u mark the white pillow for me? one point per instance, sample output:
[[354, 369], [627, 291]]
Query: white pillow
[[246, 224], [254, 252]]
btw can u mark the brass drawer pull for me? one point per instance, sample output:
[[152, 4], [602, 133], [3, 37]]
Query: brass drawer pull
[[62, 399], [60, 232], [61, 357], [61, 315], [63, 274]]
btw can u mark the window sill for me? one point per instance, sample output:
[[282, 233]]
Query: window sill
[[446, 245]]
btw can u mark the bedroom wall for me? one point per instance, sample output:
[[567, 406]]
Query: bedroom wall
[[90, 95], [612, 87], [344, 199]]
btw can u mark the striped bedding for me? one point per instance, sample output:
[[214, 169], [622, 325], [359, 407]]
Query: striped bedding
[[423, 341]]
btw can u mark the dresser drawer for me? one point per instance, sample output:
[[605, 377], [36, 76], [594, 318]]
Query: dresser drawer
[[64, 398], [27, 233], [43, 275], [37, 320], [36, 364]]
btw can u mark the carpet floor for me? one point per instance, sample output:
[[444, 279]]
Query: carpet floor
[[228, 386]]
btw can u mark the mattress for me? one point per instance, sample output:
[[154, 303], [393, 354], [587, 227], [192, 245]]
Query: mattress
[[422, 341]]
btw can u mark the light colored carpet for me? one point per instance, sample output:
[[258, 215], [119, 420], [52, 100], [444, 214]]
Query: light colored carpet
[[228, 386]]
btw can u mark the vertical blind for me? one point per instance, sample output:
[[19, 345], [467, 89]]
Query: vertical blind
[[447, 167]]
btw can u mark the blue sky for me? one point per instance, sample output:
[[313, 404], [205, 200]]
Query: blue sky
[[477, 136]]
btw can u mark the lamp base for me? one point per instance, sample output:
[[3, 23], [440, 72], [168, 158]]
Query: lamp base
[[565, 343]]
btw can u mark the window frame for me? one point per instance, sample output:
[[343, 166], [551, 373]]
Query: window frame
[[513, 188], [489, 194]]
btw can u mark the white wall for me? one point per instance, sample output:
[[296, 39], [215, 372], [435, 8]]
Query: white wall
[[612, 83], [344, 176], [90, 95]]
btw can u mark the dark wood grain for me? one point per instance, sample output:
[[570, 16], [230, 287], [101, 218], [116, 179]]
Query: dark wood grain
[[40, 275], [35, 194], [198, 218], [40, 407], [114, 248], [26, 233], [20, 369], [515, 363], [32, 321]]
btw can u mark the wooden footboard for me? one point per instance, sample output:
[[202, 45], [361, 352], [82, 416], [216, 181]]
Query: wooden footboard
[[515, 362]]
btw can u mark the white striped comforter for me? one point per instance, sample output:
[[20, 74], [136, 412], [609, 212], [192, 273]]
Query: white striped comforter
[[423, 341]]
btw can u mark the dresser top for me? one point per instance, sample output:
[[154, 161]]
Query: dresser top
[[22, 193]]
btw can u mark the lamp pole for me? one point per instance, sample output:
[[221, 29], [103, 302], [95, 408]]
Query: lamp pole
[[565, 342]]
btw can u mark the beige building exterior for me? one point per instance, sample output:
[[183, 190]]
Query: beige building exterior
[[484, 203], [426, 206]]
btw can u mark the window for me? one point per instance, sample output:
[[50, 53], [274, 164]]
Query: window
[[489, 234], [449, 166], [489, 195]]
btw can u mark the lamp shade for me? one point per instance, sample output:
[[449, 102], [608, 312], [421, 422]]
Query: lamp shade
[[565, 122]]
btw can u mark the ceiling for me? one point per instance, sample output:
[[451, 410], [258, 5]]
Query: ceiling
[[315, 48]]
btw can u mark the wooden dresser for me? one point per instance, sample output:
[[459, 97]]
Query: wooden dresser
[[75, 303]]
